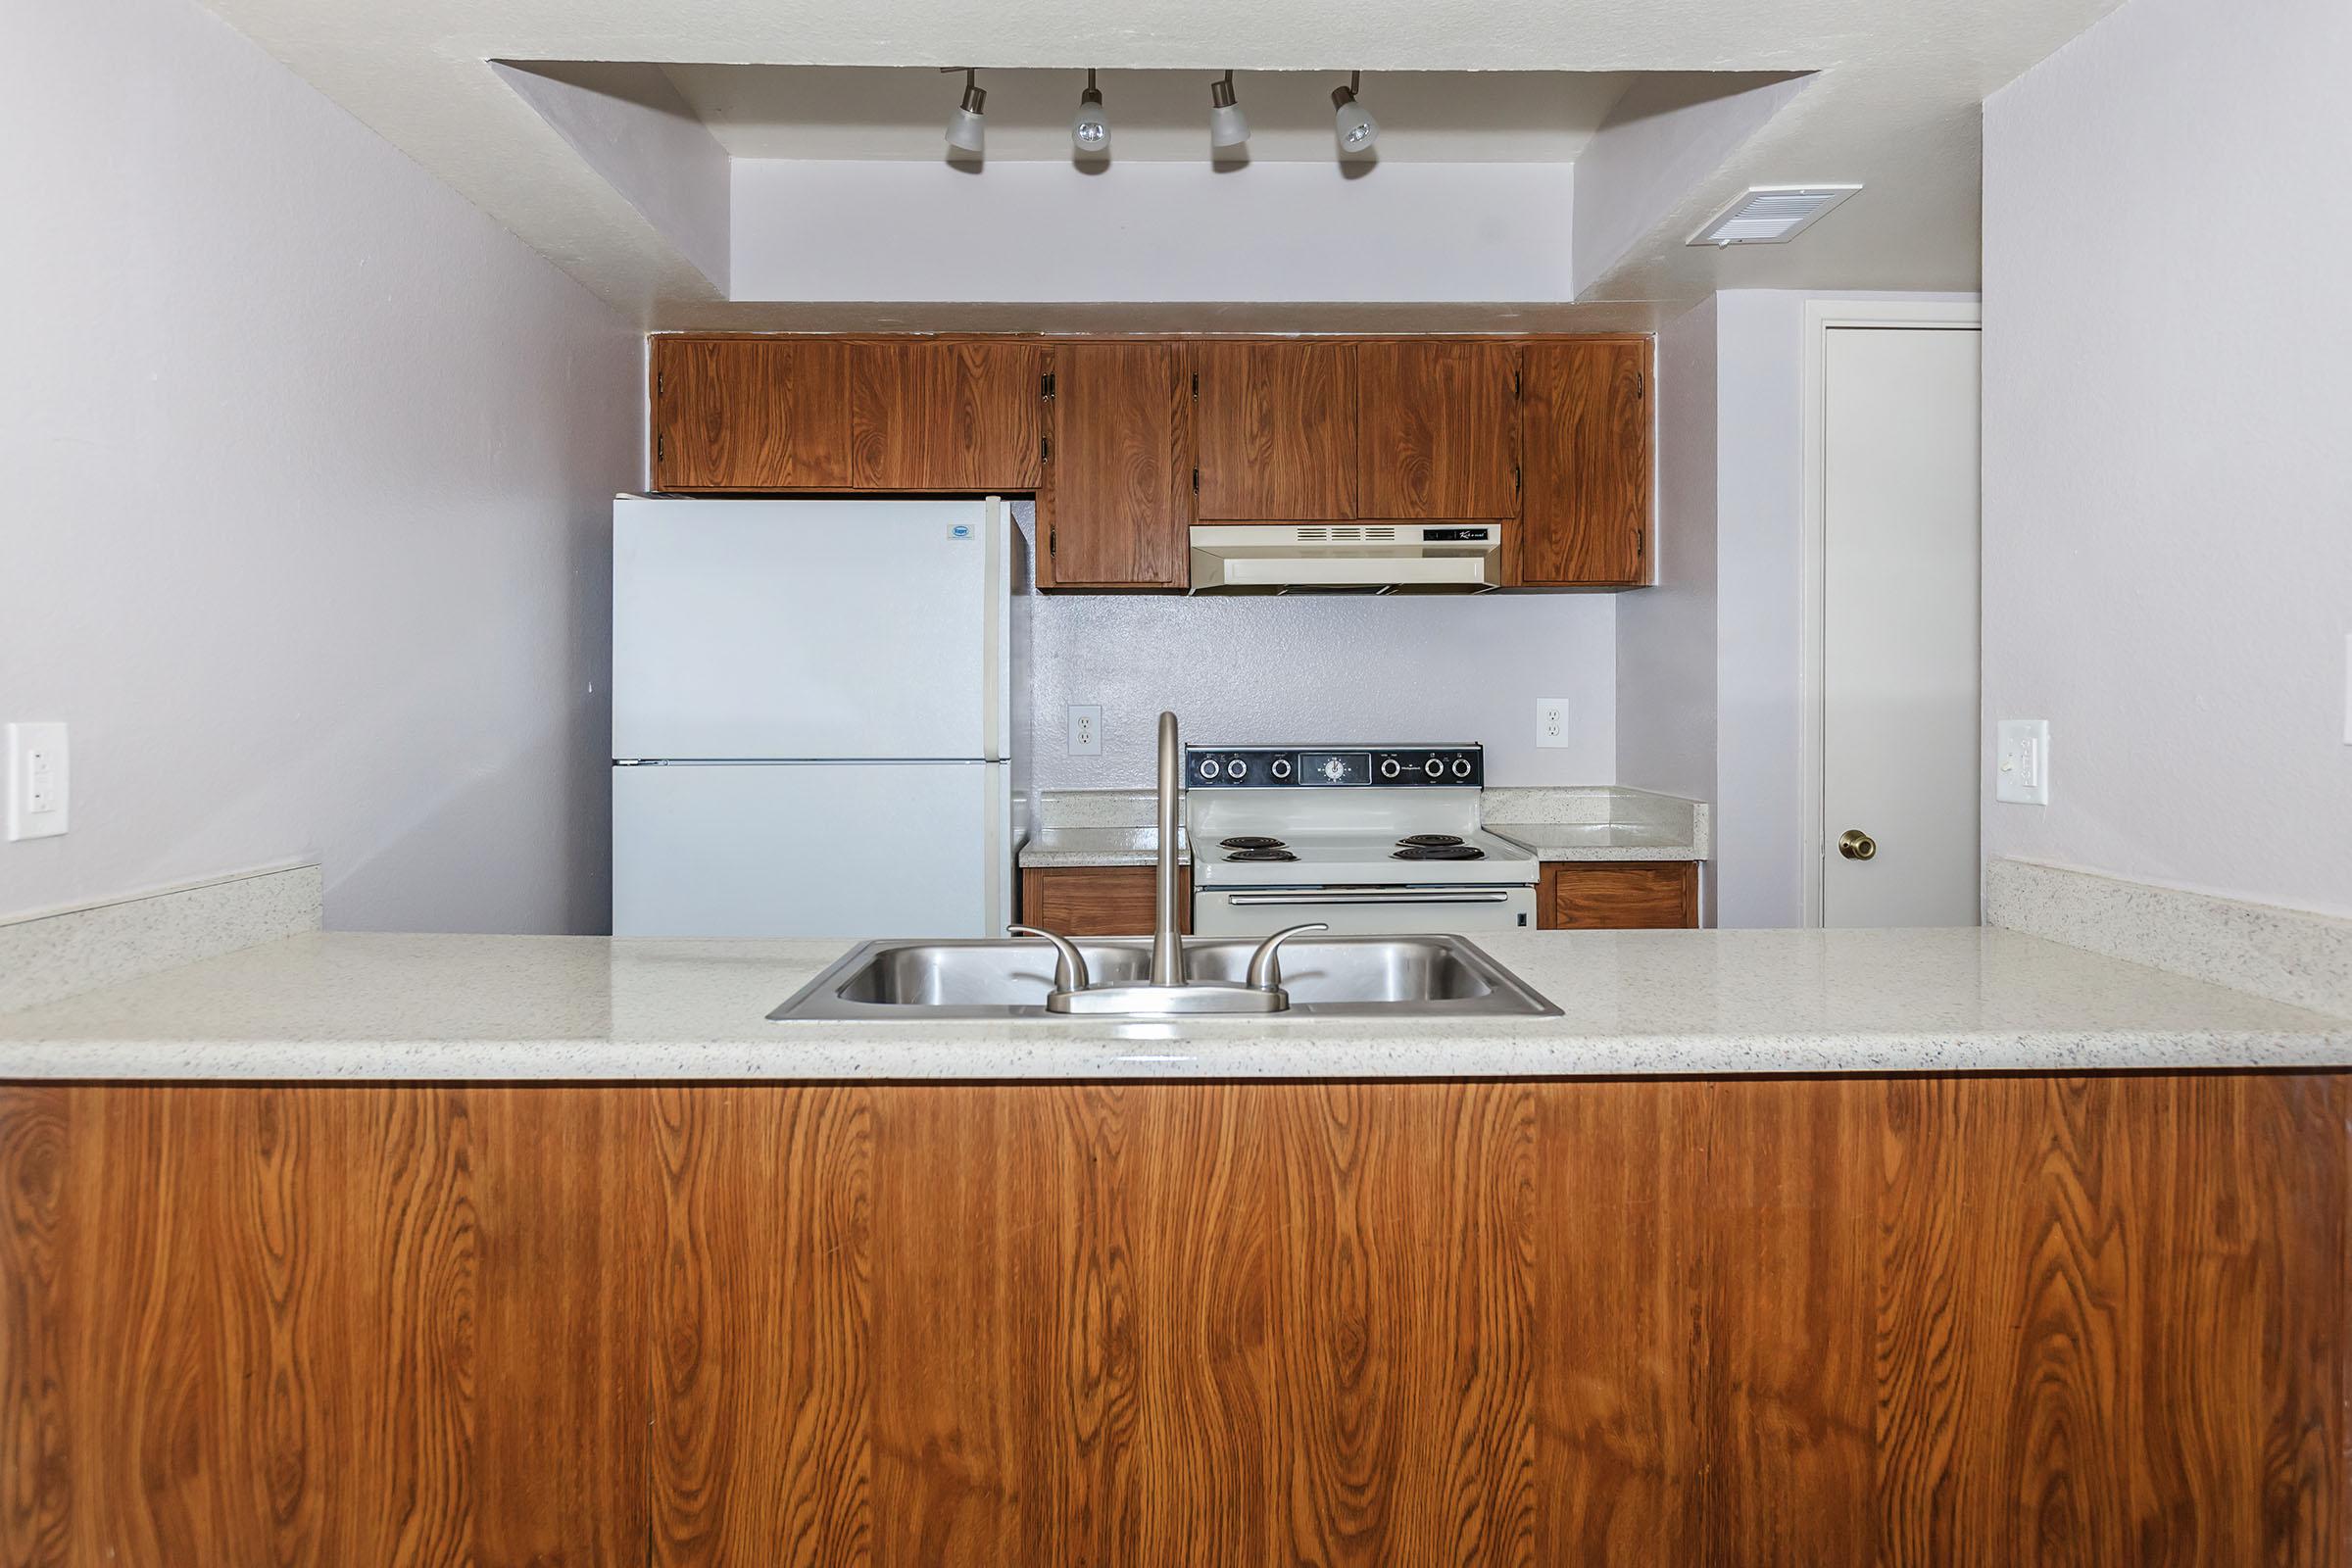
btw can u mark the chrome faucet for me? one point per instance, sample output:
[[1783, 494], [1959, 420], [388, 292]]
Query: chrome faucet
[[1170, 990]]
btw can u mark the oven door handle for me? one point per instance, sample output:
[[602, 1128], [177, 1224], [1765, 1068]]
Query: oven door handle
[[1404, 895]]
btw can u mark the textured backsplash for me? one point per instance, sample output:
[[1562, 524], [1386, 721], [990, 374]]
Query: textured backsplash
[[1339, 667]]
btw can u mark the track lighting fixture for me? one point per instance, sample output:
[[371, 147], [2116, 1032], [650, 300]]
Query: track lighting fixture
[[1228, 127], [1356, 128], [1090, 127], [967, 127]]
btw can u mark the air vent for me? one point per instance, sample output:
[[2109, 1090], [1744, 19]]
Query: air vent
[[1771, 215], [1344, 535]]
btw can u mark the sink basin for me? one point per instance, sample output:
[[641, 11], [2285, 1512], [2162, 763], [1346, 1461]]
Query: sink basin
[[1352, 977]]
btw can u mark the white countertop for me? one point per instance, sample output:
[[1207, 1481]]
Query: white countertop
[[342, 1005], [1599, 841], [1099, 846]]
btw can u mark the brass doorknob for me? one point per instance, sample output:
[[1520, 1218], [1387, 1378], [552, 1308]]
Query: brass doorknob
[[1856, 845]]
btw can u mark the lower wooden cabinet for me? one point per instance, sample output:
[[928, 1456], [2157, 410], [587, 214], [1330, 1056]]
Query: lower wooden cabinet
[[1617, 895], [1900, 1322], [1099, 901]]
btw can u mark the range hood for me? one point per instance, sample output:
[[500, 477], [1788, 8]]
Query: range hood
[[1347, 558]]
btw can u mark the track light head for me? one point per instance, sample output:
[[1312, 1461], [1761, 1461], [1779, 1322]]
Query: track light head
[[1090, 127], [1228, 127], [1357, 128], [967, 125]]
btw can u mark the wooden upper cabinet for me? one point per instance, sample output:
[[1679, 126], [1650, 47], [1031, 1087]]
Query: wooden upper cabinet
[[751, 413], [945, 415], [1277, 432], [1436, 429], [1117, 497], [1584, 420]]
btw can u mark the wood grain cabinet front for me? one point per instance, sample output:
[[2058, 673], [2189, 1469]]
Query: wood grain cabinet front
[[751, 413], [1099, 901], [962, 414], [1618, 895], [1437, 431], [1117, 497], [1894, 1322], [1584, 420], [1277, 432]]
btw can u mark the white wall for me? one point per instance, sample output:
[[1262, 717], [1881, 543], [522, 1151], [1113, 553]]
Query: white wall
[[1666, 658], [866, 230], [1338, 667], [1731, 559], [308, 467], [2168, 539]]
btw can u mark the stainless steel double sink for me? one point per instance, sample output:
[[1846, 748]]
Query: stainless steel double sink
[[1331, 977]]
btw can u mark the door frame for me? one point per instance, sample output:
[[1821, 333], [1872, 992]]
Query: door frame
[[1821, 318]]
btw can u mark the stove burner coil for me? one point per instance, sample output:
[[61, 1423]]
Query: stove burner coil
[[1439, 852], [1429, 841], [1262, 855], [1251, 841]]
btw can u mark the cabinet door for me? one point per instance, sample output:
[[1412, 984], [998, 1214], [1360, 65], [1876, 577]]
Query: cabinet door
[[1099, 901], [1118, 491], [1618, 895], [1585, 417], [1438, 430], [751, 413], [944, 416], [1277, 432]]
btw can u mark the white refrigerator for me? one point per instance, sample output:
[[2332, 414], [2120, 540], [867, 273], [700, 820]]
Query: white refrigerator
[[812, 718]]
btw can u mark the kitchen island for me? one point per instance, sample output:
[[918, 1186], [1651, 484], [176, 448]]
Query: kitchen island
[[1774, 1247]]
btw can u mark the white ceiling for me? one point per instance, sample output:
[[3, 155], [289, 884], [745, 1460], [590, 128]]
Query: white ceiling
[[1894, 103], [874, 111]]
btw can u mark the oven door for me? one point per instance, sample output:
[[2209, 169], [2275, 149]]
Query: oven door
[[1363, 912]]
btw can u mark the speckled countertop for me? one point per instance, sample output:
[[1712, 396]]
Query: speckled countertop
[[1581, 822], [342, 1005]]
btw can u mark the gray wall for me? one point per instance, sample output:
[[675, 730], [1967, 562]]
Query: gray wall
[[1337, 667], [2168, 528], [308, 508]]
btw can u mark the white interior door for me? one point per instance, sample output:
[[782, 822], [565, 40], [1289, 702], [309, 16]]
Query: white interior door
[[849, 850], [1899, 627]]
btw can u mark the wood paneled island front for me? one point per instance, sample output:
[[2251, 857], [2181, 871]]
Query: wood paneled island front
[[1905, 1318]]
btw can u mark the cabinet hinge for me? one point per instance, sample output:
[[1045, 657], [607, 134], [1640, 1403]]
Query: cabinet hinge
[[660, 447], [661, 379], [1514, 383], [1641, 384], [1051, 538], [1196, 481], [1196, 383], [1515, 483], [1045, 385], [1044, 449]]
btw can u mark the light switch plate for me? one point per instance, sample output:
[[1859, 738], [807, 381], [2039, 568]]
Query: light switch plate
[[1086, 729], [1552, 721], [37, 777], [2021, 770]]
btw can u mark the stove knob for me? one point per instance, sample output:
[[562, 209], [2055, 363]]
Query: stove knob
[[1282, 767], [1461, 767], [1435, 767], [1388, 767], [1208, 768], [1236, 770]]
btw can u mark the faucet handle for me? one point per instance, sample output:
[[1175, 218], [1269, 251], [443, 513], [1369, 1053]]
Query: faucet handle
[[1069, 964], [1265, 964]]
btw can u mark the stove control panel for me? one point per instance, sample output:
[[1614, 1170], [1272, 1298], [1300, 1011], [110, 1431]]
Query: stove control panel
[[1447, 766]]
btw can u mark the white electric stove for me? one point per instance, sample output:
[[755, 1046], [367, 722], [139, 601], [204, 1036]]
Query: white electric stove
[[1371, 839]]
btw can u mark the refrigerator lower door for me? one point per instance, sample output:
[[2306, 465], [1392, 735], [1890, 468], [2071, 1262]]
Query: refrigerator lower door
[[846, 849]]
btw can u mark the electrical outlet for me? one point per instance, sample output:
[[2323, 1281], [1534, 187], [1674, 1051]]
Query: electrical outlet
[[1085, 729], [2022, 774], [1552, 721], [36, 780]]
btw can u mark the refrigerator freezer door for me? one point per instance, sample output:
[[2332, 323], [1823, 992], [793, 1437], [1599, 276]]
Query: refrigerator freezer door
[[826, 629], [850, 850]]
